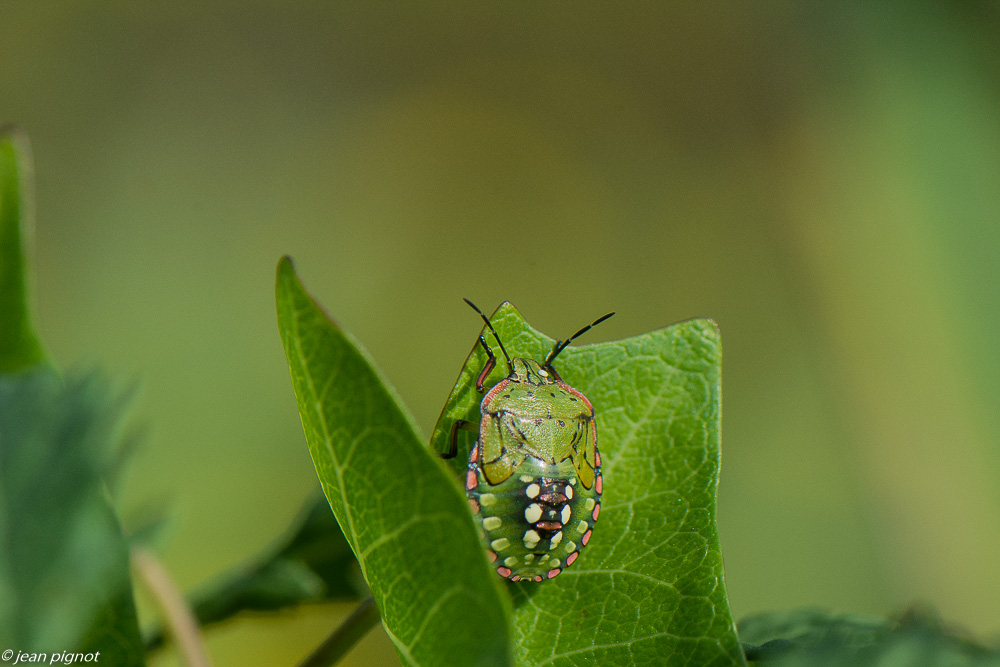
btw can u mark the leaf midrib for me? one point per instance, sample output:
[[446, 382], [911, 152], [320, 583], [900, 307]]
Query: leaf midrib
[[328, 441]]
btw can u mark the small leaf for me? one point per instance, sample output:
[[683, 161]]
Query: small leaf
[[313, 564], [787, 631], [648, 589], [319, 544], [64, 579], [19, 346], [115, 631], [816, 638], [404, 516]]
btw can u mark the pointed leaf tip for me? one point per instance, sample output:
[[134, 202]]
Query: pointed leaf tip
[[20, 347], [406, 521], [649, 588], [286, 269]]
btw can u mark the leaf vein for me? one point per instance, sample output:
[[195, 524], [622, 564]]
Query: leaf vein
[[327, 440], [400, 529]]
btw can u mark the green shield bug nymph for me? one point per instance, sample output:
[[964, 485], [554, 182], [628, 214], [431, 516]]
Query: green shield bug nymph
[[534, 477]]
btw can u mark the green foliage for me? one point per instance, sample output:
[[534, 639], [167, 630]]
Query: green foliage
[[64, 572], [314, 563], [404, 516], [63, 561], [804, 638], [647, 590], [19, 346]]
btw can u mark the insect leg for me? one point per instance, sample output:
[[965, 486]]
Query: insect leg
[[552, 369], [490, 364], [453, 437]]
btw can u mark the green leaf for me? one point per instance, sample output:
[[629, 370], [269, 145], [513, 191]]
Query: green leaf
[[64, 579], [810, 637], [19, 346], [319, 545], [314, 563], [770, 636], [403, 514], [648, 589], [115, 631], [64, 572]]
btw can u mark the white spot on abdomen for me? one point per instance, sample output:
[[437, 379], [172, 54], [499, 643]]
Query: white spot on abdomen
[[532, 513], [555, 540]]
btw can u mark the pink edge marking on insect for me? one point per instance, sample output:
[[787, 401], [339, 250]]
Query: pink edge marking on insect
[[474, 456], [586, 537], [503, 571], [488, 398], [470, 480], [570, 559], [597, 511], [538, 577], [515, 578], [492, 556], [552, 573], [586, 401], [481, 380], [474, 505], [597, 458], [599, 483]]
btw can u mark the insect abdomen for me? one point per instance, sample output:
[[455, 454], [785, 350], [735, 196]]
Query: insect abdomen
[[536, 521]]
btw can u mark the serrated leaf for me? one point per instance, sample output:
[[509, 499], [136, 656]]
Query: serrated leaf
[[19, 346], [404, 516], [811, 637], [64, 579], [648, 589]]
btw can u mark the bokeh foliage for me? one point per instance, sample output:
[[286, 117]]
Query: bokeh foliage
[[64, 568]]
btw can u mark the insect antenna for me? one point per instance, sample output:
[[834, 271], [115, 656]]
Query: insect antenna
[[562, 344], [492, 330]]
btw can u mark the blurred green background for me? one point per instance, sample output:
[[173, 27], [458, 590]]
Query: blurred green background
[[822, 179]]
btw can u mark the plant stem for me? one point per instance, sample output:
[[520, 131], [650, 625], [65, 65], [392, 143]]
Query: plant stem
[[177, 615], [344, 637]]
